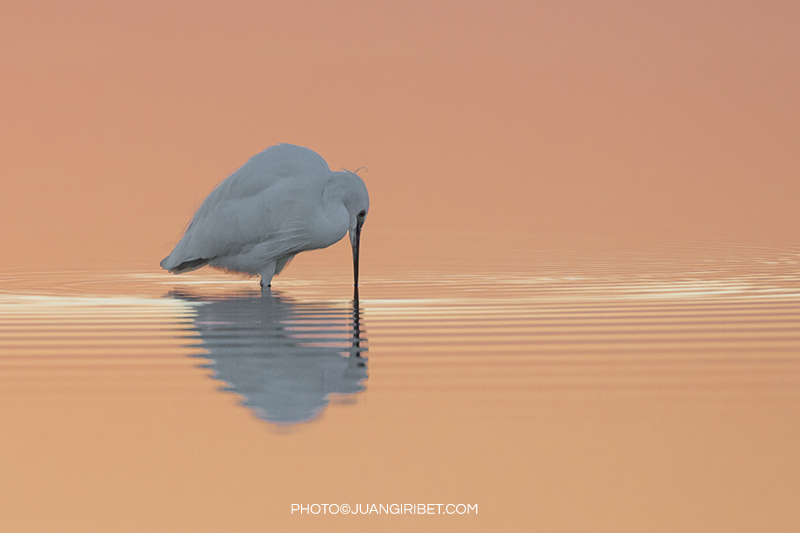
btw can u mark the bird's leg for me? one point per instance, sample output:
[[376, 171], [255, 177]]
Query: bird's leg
[[266, 276]]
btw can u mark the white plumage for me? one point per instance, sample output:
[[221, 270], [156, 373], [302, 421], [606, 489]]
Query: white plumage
[[283, 201]]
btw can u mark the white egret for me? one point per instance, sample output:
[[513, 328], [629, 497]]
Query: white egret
[[283, 201]]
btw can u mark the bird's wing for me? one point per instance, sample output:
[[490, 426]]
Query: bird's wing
[[265, 200]]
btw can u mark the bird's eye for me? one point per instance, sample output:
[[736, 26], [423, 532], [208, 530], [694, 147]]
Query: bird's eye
[[362, 214]]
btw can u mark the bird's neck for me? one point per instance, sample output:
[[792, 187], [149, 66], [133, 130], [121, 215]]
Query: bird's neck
[[337, 216]]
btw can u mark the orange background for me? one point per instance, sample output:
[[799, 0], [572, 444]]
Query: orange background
[[569, 123]]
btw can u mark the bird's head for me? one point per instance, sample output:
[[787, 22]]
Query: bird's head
[[356, 200]]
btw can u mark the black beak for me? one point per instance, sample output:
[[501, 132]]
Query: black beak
[[355, 242]]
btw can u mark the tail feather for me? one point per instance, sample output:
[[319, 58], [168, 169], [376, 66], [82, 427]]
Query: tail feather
[[186, 266]]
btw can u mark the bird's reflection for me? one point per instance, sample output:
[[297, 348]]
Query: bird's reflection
[[284, 358]]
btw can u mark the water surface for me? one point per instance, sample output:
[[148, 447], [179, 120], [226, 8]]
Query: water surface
[[624, 393]]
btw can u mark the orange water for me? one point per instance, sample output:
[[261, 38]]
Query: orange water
[[637, 392]]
